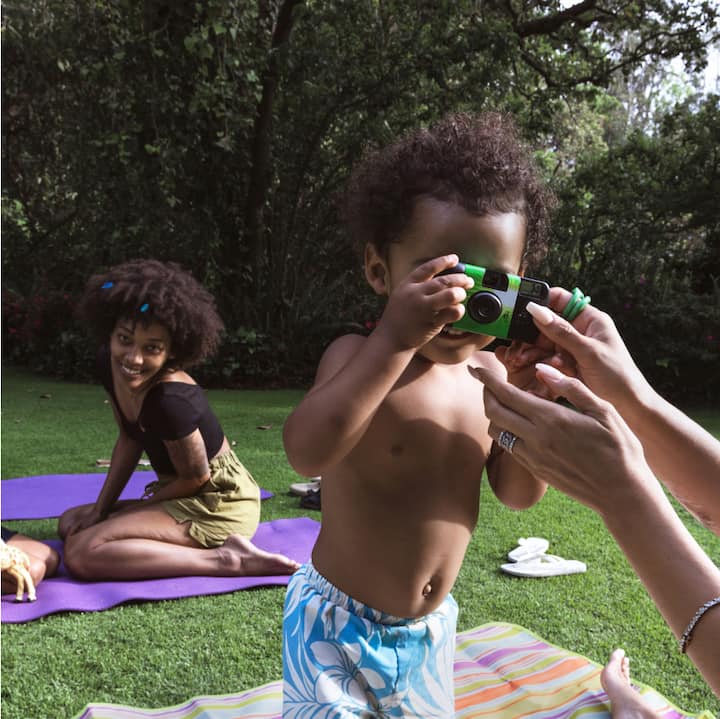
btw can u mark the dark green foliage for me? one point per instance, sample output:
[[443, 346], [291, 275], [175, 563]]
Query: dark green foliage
[[640, 227], [220, 135]]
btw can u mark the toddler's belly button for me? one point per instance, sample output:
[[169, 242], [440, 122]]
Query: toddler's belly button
[[427, 590]]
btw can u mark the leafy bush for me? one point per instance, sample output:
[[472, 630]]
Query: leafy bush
[[639, 229], [39, 332]]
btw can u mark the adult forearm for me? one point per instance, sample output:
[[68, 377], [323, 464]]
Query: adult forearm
[[125, 457], [683, 455], [676, 572], [591, 455], [177, 489]]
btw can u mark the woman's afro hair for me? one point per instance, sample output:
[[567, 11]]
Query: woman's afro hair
[[475, 161], [150, 291]]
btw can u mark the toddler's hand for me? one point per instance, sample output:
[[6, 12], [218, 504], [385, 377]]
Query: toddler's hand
[[520, 358], [423, 303]]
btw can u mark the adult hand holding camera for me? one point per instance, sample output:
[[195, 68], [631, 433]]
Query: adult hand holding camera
[[590, 348], [684, 456], [601, 359]]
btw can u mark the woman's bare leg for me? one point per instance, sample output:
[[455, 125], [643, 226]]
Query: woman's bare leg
[[147, 542], [626, 702]]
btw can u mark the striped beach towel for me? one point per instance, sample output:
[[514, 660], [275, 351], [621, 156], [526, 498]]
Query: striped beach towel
[[502, 671]]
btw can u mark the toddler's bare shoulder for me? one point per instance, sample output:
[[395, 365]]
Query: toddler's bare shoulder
[[338, 354], [345, 345]]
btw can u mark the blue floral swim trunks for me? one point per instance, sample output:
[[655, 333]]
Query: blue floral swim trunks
[[342, 659]]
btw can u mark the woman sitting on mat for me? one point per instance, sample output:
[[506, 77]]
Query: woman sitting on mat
[[607, 453], [154, 321]]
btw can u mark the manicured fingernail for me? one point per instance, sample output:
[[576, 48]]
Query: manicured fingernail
[[548, 371], [544, 315]]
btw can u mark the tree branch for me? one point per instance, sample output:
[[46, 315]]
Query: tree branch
[[552, 23]]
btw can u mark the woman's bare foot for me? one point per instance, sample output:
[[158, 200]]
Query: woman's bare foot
[[245, 559], [626, 702]]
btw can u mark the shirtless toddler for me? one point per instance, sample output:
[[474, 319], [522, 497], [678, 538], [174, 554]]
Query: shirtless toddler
[[395, 425]]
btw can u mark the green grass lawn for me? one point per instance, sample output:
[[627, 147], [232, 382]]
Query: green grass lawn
[[163, 653]]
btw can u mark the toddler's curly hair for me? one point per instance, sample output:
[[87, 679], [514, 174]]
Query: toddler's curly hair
[[475, 161], [150, 291]]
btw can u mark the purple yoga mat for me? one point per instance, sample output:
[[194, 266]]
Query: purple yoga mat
[[49, 495], [292, 537]]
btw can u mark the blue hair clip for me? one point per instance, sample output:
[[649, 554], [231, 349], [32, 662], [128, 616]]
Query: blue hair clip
[[107, 286], [145, 307]]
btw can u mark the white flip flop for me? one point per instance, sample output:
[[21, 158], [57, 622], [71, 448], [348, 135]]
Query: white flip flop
[[546, 565], [528, 548], [302, 489]]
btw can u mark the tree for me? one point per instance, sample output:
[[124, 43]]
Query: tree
[[220, 134], [640, 224]]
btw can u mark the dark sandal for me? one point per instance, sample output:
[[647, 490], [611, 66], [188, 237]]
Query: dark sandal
[[311, 500]]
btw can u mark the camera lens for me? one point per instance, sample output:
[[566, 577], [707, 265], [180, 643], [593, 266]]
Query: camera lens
[[484, 307]]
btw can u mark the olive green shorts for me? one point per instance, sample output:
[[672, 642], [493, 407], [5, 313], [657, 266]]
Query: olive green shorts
[[228, 503]]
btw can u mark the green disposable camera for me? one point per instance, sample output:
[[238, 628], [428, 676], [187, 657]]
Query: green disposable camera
[[497, 304]]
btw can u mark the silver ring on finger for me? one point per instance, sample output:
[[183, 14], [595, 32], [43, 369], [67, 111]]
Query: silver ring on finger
[[507, 440]]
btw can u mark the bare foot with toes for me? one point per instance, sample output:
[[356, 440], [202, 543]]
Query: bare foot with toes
[[626, 702], [245, 559]]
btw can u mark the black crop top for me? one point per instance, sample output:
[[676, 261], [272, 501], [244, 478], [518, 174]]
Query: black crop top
[[170, 410]]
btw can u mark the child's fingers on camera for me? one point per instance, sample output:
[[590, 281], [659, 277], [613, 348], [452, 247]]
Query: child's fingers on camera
[[511, 352], [429, 269], [455, 280], [532, 354], [501, 353], [446, 297], [448, 315]]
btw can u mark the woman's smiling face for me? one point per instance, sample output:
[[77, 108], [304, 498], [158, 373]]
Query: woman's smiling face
[[138, 352]]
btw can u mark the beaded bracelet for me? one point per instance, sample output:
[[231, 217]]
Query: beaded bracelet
[[687, 634]]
